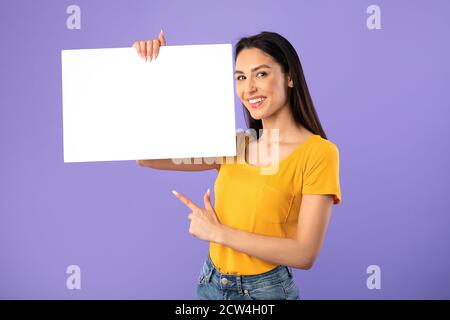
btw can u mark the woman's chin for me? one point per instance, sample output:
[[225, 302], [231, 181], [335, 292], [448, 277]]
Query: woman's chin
[[258, 114]]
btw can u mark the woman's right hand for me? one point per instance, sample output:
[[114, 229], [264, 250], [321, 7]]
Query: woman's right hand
[[149, 49]]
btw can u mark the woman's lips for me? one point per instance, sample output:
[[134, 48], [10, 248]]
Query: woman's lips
[[257, 105]]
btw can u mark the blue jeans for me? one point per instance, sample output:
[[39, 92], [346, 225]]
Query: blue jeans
[[276, 284]]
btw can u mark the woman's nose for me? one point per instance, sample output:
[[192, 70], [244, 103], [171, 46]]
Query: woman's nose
[[250, 85]]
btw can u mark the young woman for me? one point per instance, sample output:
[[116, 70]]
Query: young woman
[[264, 224]]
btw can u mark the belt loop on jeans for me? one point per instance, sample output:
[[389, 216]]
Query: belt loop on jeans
[[239, 284], [210, 271], [289, 271], [209, 274]]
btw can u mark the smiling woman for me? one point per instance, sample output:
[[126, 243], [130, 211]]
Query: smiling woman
[[263, 225]]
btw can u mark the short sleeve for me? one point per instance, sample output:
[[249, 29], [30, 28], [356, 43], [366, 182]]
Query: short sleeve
[[321, 172]]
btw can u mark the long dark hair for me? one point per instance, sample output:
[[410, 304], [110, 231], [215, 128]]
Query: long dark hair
[[300, 102]]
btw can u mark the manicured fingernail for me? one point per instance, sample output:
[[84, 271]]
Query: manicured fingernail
[[161, 31], [174, 192], [208, 192]]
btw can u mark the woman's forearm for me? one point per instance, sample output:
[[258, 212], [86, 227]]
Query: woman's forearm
[[288, 252], [194, 164]]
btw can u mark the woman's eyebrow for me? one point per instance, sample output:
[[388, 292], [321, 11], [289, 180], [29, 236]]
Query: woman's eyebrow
[[254, 69]]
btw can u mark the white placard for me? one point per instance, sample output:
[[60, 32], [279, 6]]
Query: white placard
[[118, 107]]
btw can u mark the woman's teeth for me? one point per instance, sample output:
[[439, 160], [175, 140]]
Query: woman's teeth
[[256, 102]]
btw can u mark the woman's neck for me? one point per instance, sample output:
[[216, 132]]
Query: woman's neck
[[281, 128]]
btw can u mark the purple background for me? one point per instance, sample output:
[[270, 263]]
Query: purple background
[[382, 97]]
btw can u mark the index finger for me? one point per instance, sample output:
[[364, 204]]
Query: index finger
[[185, 200], [162, 38]]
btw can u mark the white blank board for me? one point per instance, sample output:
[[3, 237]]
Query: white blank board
[[118, 107]]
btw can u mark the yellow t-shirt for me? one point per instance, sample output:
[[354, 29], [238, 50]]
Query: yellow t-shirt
[[268, 204]]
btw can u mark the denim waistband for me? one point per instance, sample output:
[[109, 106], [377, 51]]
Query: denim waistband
[[210, 273]]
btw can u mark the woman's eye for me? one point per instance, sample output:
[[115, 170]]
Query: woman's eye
[[239, 78]]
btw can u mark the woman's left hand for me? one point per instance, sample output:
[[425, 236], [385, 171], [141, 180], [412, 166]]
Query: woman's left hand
[[204, 222]]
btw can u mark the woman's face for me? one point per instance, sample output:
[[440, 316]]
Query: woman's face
[[258, 75]]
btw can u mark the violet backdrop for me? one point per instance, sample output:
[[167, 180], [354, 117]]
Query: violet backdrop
[[383, 99]]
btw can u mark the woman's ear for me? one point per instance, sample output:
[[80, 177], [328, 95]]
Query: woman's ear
[[290, 82]]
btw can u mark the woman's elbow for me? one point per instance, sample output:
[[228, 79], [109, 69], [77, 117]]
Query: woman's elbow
[[140, 162], [144, 163], [303, 266], [308, 265], [304, 263]]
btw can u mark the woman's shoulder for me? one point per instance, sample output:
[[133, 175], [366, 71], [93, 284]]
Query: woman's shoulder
[[326, 143], [321, 148]]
